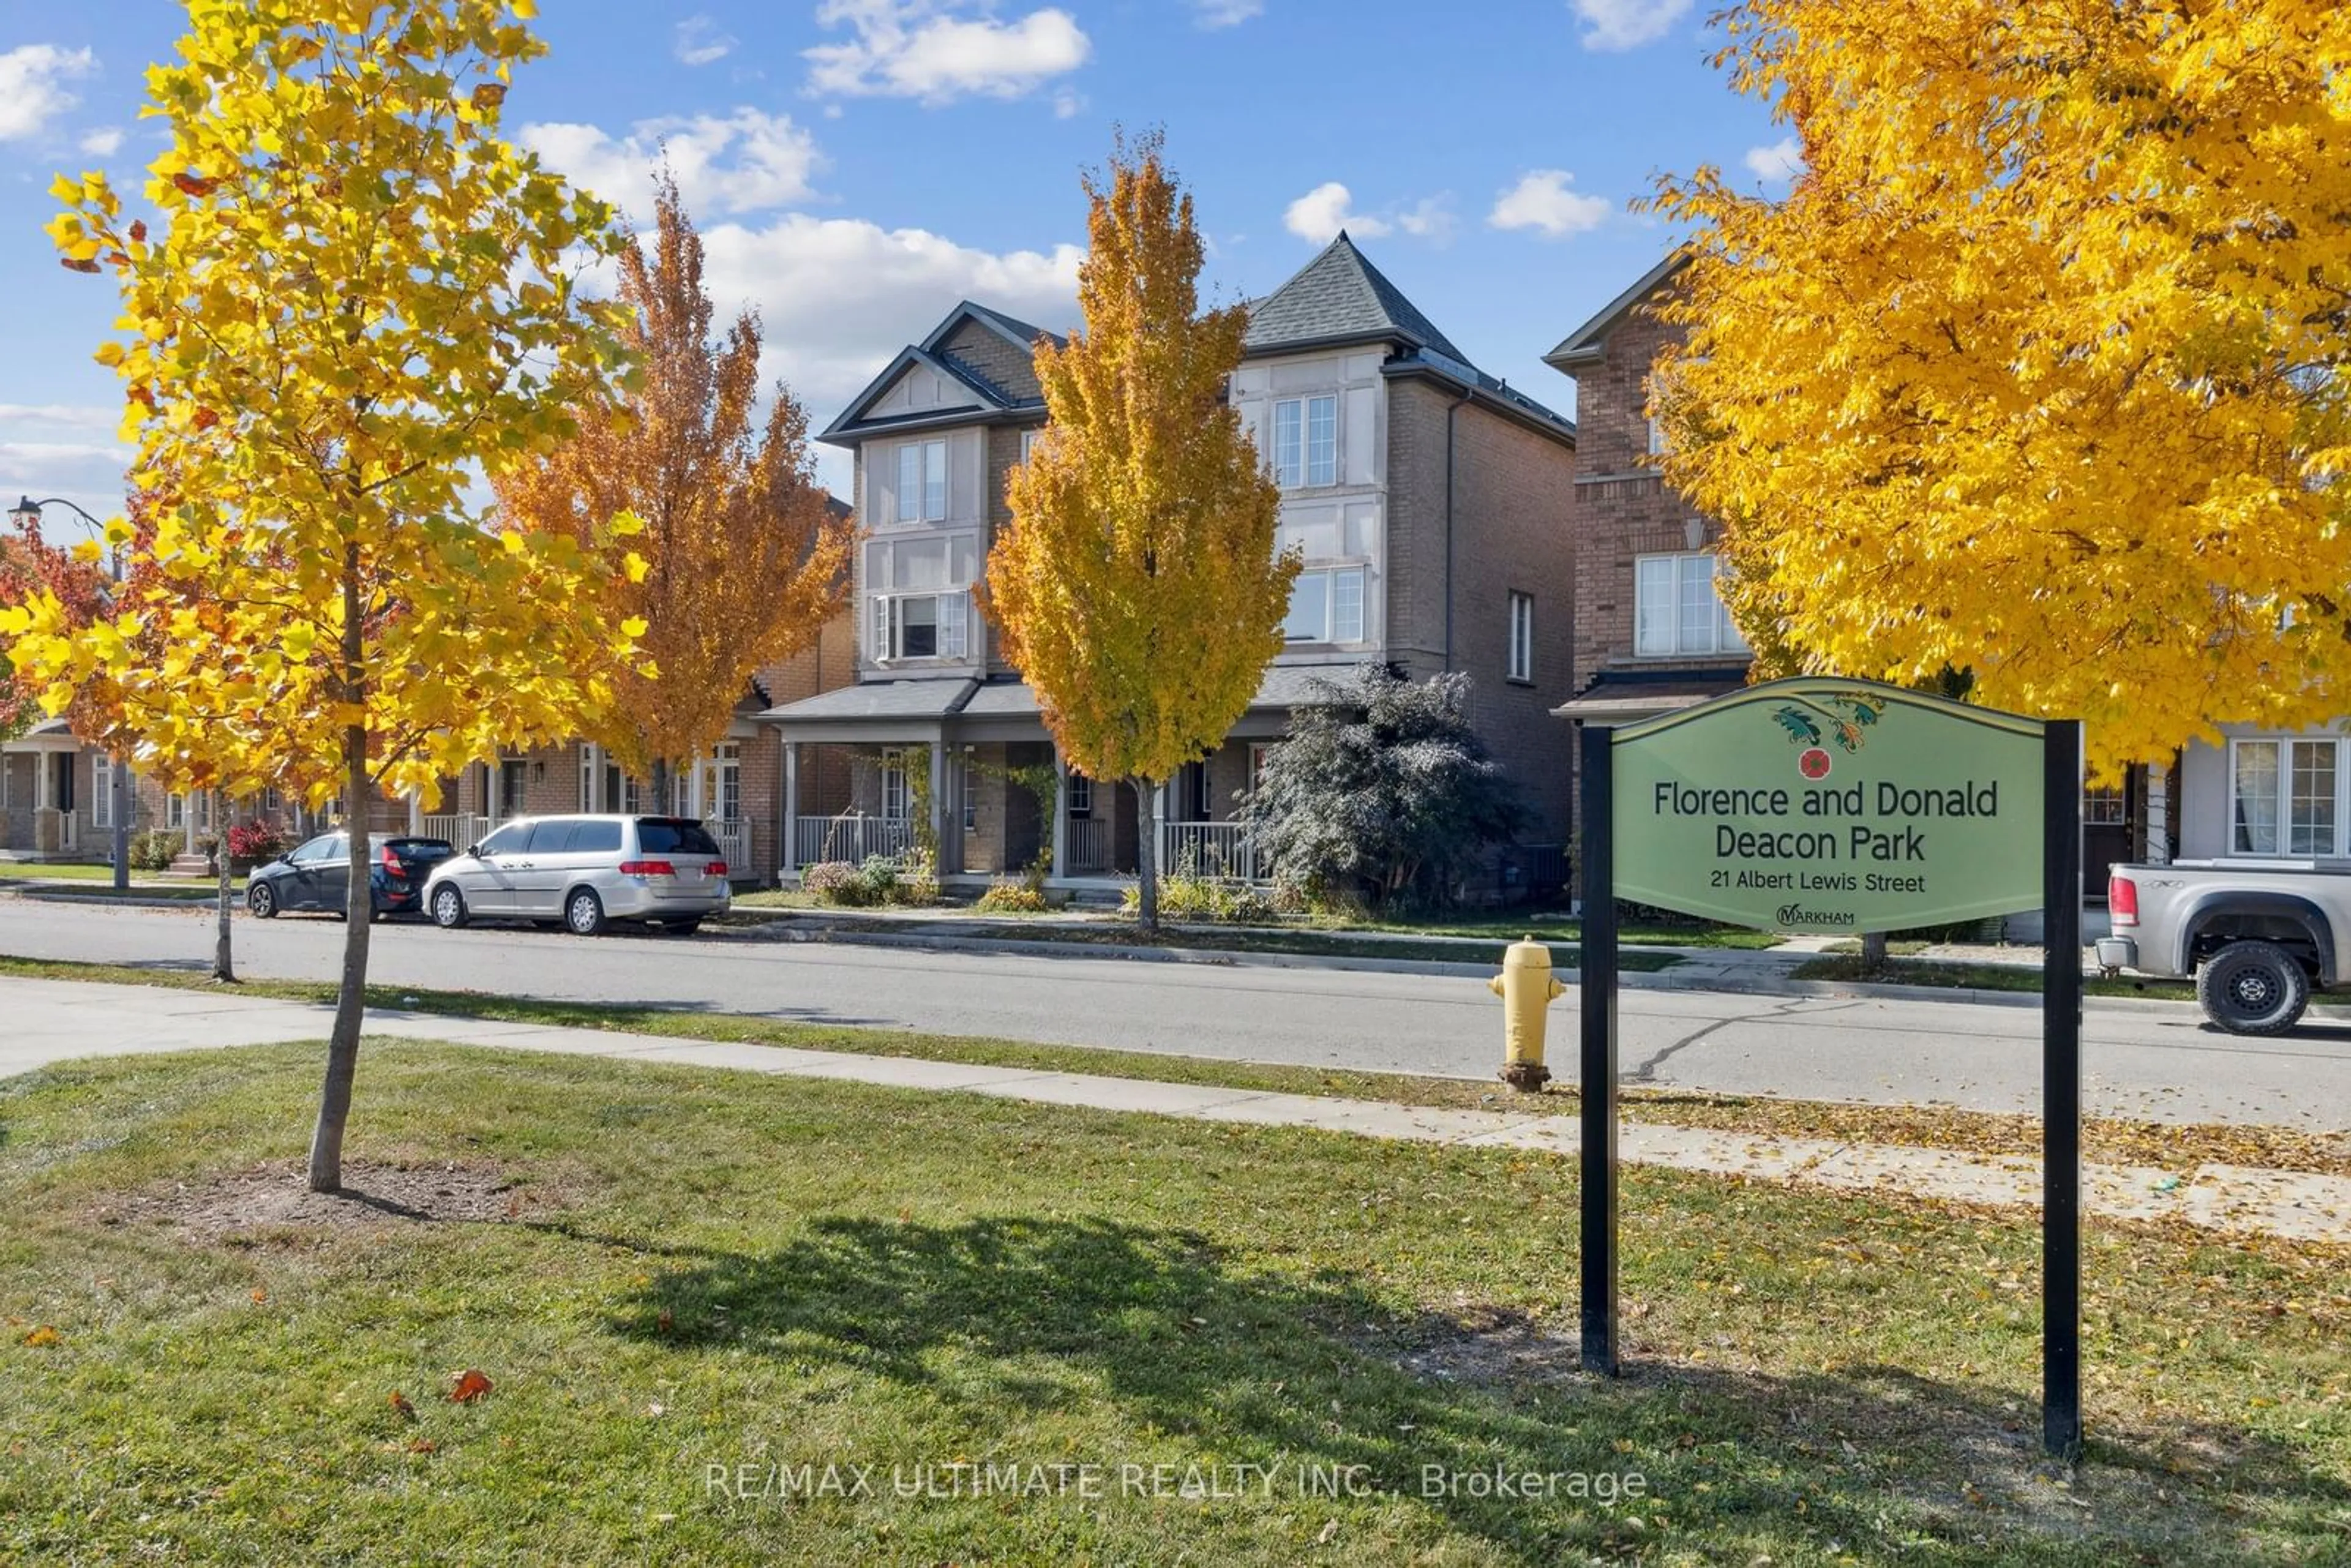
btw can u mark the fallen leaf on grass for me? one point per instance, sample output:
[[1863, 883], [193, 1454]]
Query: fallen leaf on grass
[[260, 1295], [423, 1445], [43, 1336], [470, 1386], [398, 1401]]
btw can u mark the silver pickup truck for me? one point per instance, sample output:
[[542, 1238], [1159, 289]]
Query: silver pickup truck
[[2258, 935]]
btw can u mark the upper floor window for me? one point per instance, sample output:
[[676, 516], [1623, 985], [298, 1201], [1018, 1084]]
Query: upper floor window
[[1028, 439], [922, 482], [1326, 606], [1677, 610], [1523, 637], [1306, 442], [918, 600], [1656, 436]]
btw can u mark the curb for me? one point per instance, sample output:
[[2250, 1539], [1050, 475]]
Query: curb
[[1700, 977], [109, 900]]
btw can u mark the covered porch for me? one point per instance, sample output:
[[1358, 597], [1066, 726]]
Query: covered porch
[[43, 782], [960, 768]]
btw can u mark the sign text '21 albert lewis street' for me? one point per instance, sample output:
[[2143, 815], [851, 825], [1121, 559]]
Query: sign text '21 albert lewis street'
[[1829, 805]]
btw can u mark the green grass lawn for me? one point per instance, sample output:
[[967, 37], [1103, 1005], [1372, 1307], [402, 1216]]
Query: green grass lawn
[[682, 1271], [59, 870]]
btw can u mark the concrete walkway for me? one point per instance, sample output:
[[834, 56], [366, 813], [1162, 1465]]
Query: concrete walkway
[[59, 1020]]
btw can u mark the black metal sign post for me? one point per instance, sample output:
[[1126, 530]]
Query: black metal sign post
[[2061, 1092], [1597, 1083]]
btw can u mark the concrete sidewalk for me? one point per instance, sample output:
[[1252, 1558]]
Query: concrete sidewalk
[[59, 1020]]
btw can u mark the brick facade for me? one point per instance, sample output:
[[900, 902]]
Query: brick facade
[[1511, 502]]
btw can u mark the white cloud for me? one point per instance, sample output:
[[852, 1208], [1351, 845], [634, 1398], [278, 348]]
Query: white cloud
[[29, 90], [744, 163], [839, 297], [1213, 13], [103, 144], [926, 49], [1319, 215], [1068, 103], [1627, 24], [699, 42], [1540, 200], [1778, 164], [67, 451]]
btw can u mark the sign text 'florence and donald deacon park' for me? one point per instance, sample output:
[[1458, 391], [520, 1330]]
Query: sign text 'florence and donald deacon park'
[[1825, 805]]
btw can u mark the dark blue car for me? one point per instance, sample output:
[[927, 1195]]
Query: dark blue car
[[316, 875]]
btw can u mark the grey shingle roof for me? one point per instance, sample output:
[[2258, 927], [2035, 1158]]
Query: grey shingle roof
[[1341, 295], [1012, 326], [879, 699]]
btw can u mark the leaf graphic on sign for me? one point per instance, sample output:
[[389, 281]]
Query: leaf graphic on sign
[[1802, 730]]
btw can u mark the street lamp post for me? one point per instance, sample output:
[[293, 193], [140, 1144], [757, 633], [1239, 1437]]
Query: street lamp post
[[27, 515]]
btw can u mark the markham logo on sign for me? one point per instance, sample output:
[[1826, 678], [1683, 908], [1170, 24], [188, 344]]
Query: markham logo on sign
[[1902, 810]]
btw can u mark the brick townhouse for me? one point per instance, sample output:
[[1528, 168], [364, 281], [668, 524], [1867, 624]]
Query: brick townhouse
[[1428, 498]]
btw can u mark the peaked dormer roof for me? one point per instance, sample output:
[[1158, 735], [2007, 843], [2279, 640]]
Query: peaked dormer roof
[[1011, 329], [1340, 298], [1588, 342], [993, 400]]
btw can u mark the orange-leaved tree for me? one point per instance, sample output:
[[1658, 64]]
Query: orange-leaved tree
[[746, 560], [1137, 587], [30, 567], [354, 292], [2041, 371]]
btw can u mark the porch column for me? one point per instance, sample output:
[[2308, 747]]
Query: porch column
[[1061, 815], [791, 858], [415, 815], [939, 796], [696, 788], [2159, 814], [188, 818]]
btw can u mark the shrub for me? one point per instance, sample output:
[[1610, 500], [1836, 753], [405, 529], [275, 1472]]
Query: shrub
[[1184, 896], [915, 879], [835, 881], [155, 850], [1012, 898], [255, 841], [1383, 792]]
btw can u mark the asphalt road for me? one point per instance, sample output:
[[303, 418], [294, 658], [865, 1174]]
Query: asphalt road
[[2166, 1065]]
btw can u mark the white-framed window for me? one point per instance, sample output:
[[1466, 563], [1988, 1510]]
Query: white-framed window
[[971, 771], [921, 482], [722, 781], [2285, 797], [895, 797], [1678, 611], [1522, 636], [1656, 436], [101, 791], [1326, 605], [1306, 442], [176, 810], [1028, 439], [1258, 751], [1081, 795], [918, 597]]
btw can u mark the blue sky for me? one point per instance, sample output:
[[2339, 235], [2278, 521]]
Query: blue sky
[[859, 165]]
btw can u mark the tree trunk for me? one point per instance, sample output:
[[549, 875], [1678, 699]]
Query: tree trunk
[[662, 789], [1146, 851], [359, 913], [1872, 952], [119, 785], [222, 968]]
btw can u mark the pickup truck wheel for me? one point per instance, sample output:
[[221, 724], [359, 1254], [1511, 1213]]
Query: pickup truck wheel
[[2253, 988]]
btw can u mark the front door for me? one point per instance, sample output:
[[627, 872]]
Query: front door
[[68, 824], [2109, 820]]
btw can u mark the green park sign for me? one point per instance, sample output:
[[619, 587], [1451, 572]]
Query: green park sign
[[1822, 805]]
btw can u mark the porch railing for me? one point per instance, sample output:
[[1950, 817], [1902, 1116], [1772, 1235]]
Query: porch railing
[[851, 838], [734, 837], [1220, 850], [459, 827], [1087, 846]]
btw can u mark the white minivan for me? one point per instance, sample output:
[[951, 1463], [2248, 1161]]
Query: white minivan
[[584, 871]]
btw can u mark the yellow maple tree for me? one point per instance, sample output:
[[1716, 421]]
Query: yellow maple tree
[[2038, 371], [746, 560], [353, 293], [1137, 588]]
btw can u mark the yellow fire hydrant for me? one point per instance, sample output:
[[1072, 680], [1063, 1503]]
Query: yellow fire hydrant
[[1527, 987]]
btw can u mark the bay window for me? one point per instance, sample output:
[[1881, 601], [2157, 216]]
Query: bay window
[[1678, 610], [921, 482], [2284, 797], [1326, 606], [1306, 442], [918, 598]]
